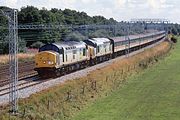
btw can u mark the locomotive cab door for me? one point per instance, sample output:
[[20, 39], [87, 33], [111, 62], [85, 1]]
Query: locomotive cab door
[[91, 52], [60, 59]]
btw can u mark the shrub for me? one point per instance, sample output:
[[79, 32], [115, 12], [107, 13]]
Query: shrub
[[37, 44], [4, 45], [21, 45], [75, 36], [99, 33], [174, 40]]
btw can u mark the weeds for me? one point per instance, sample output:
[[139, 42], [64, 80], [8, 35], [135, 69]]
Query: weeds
[[4, 59]]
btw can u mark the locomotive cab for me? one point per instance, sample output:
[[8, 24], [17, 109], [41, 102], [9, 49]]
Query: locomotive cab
[[48, 59]]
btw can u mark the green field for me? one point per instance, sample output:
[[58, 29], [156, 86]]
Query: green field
[[153, 94]]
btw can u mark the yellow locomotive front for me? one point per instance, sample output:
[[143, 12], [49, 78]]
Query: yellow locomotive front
[[45, 59], [48, 60], [45, 63]]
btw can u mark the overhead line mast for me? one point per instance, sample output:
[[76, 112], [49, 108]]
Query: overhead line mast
[[11, 14]]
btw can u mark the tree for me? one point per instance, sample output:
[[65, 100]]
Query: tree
[[47, 16], [60, 19], [29, 14], [37, 44], [174, 30], [21, 45], [4, 45], [112, 21], [75, 36], [99, 33], [100, 20], [69, 16]]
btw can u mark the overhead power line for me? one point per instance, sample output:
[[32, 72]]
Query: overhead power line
[[145, 20]]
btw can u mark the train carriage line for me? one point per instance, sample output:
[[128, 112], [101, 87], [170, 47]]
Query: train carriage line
[[60, 58]]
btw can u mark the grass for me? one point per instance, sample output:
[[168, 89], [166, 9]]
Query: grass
[[153, 94], [4, 59], [66, 100], [22, 57]]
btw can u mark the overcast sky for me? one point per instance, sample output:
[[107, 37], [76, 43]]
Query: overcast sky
[[117, 9]]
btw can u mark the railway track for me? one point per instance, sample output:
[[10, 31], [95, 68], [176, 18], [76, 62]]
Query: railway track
[[25, 70], [2, 67], [22, 77], [22, 66], [27, 77], [24, 83]]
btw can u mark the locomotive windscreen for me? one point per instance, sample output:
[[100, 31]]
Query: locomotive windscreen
[[50, 47]]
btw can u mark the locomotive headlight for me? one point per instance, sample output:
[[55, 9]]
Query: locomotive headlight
[[50, 62]]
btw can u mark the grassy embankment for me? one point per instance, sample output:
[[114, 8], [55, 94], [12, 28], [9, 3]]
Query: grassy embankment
[[66, 100], [154, 94]]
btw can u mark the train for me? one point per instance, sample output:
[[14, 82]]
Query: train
[[60, 58]]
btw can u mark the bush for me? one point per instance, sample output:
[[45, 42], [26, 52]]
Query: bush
[[174, 40], [21, 45], [4, 45], [75, 36], [37, 44], [99, 33]]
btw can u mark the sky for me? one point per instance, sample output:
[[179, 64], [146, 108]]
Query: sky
[[118, 9]]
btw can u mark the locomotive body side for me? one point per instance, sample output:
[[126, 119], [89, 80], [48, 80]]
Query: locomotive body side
[[100, 49], [58, 58], [103, 47], [75, 53]]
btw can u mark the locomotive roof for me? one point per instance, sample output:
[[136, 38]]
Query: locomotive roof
[[70, 44], [131, 37], [99, 41]]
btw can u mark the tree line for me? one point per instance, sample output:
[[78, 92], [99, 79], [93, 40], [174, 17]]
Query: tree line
[[36, 38], [34, 15]]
